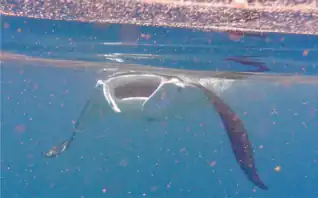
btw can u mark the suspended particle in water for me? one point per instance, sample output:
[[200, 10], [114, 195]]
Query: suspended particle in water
[[35, 86], [123, 163], [235, 36], [213, 163], [145, 36], [154, 188], [168, 185], [305, 53], [104, 190], [274, 112], [305, 102], [277, 169], [20, 128], [182, 150], [6, 25]]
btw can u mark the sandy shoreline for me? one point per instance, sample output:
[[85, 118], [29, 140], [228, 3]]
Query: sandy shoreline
[[216, 15]]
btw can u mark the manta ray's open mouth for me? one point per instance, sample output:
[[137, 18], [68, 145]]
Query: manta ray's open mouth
[[141, 87]]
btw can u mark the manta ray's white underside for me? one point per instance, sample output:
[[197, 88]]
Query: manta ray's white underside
[[158, 96], [147, 96]]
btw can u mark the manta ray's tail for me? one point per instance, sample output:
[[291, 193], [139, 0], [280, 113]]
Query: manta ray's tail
[[93, 104], [236, 132], [63, 146]]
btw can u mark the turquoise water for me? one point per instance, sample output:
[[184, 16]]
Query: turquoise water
[[44, 91]]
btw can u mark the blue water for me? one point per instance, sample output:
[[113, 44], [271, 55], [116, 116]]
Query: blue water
[[188, 157]]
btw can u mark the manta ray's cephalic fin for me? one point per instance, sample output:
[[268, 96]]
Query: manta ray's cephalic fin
[[236, 132]]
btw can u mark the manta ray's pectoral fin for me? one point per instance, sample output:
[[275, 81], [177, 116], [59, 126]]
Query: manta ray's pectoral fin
[[236, 132]]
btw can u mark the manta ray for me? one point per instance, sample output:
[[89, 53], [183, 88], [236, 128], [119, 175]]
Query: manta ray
[[152, 96]]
